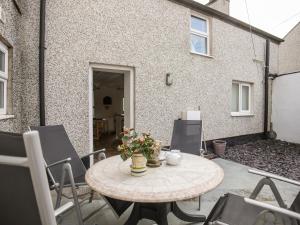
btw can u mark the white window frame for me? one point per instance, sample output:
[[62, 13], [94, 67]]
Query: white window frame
[[4, 77], [200, 34], [242, 112]]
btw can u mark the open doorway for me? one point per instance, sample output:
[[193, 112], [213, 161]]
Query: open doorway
[[111, 106]]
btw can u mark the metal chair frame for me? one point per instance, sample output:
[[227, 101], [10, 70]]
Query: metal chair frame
[[68, 172], [269, 209], [34, 162]]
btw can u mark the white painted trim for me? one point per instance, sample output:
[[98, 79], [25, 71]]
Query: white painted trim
[[91, 111], [5, 117], [114, 69]]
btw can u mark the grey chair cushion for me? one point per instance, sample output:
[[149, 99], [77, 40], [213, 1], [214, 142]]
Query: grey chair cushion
[[57, 146], [187, 136]]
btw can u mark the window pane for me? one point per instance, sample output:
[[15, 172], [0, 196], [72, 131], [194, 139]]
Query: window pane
[[199, 44], [1, 94], [199, 24], [235, 98], [2, 61], [245, 98]]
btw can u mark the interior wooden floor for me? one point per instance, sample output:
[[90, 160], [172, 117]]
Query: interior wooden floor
[[109, 142]]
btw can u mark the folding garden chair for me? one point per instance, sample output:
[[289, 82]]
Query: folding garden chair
[[236, 210], [187, 137], [25, 195], [57, 151]]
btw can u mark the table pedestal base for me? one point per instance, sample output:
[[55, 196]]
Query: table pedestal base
[[158, 212]]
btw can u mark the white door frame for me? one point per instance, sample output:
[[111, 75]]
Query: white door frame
[[127, 71]]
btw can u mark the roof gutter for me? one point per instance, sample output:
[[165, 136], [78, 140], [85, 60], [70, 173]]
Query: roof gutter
[[196, 6], [42, 63]]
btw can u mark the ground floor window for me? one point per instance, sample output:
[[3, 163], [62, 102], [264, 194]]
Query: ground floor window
[[241, 98], [3, 77]]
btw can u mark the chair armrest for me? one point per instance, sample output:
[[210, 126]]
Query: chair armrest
[[273, 208], [165, 148], [94, 153], [63, 208], [273, 176], [59, 162]]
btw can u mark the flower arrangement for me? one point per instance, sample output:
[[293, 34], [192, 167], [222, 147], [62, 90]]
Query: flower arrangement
[[133, 143]]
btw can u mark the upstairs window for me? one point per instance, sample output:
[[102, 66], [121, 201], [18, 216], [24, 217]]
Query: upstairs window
[[240, 99], [199, 35], [3, 77]]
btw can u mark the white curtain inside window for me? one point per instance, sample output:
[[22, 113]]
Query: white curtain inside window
[[245, 98], [1, 94], [235, 98], [2, 61]]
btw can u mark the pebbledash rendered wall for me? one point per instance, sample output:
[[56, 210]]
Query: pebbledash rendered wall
[[154, 38], [289, 51], [10, 36], [19, 31]]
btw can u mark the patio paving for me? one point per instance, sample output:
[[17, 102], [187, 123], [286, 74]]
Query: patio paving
[[237, 180]]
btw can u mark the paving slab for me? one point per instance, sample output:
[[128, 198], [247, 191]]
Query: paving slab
[[237, 180]]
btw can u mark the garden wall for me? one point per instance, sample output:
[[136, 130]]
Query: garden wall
[[286, 107]]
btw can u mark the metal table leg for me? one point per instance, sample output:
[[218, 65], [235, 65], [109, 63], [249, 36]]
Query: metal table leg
[[158, 212]]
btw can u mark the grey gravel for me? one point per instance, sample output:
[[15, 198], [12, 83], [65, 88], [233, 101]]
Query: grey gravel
[[274, 156]]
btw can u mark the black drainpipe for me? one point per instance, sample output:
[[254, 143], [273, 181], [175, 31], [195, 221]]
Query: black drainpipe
[[42, 62], [267, 88]]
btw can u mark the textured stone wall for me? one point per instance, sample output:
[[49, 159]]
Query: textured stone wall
[[289, 51], [153, 37], [221, 5], [10, 35], [21, 32]]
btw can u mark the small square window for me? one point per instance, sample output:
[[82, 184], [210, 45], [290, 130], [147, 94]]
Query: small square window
[[199, 36], [240, 98]]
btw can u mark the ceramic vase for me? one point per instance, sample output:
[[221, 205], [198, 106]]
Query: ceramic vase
[[138, 166]]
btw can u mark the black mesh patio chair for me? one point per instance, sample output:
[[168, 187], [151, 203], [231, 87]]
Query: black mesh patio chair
[[58, 149], [187, 136], [25, 195], [236, 210]]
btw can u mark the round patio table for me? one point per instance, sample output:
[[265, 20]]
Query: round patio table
[[155, 194]]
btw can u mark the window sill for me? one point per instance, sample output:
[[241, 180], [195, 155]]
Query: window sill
[[203, 55], [242, 114], [5, 117]]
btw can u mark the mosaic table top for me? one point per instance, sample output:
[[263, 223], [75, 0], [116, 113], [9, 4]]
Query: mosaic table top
[[194, 176]]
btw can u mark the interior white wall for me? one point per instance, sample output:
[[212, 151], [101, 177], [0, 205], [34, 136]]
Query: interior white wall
[[108, 112], [286, 107]]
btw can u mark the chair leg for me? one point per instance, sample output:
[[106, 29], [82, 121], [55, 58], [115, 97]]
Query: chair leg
[[199, 203], [92, 196], [271, 184], [68, 168], [61, 186]]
